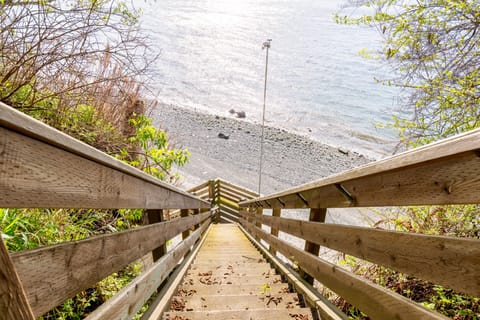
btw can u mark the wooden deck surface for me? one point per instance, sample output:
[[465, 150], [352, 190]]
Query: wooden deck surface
[[230, 279]]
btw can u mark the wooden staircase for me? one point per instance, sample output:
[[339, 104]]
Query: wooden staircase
[[230, 279], [43, 168]]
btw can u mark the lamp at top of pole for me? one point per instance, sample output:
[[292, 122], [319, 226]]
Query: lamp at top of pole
[[266, 44]]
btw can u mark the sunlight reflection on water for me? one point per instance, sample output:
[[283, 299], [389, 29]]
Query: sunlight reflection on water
[[211, 60]]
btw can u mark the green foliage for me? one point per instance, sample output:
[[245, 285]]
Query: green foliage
[[156, 157], [27, 229], [23, 229], [434, 48], [455, 220]]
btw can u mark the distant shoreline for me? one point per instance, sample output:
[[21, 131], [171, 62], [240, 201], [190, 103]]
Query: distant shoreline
[[289, 159]]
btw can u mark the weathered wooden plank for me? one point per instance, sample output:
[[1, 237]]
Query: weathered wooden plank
[[238, 194], [202, 194], [451, 262], [316, 215], [442, 173], [274, 231], [199, 188], [277, 314], [52, 274], [237, 189], [228, 203], [229, 210], [227, 215], [42, 167], [184, 213], [377, 302], [13, 301], [126, 303], [230, 196], [211, 189]]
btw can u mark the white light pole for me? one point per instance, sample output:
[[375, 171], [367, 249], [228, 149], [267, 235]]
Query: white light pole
[[266, 45]]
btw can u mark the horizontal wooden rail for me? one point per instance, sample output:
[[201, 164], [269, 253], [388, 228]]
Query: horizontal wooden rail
[[376, 301], [44, 168], [52, 274], [126, 303], [237, 189], [432, 258], [227, 196], [441, 173], [231, 196], [232, 191], [200, 188]]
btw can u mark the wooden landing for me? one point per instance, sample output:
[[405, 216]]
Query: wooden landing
[[230, 279]]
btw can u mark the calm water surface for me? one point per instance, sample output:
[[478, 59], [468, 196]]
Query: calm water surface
[[212, 60]]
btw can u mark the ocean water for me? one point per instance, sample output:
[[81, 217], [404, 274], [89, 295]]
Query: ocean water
[[318, 85]]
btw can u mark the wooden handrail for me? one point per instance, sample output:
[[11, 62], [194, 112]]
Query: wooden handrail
[[445, 172], [442, 173], [52, 274], [226, 196], [44, 168], [374, 300], [432, 258], [130, 299]]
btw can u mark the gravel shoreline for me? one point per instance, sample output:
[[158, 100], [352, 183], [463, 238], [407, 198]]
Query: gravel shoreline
[[289, 159]]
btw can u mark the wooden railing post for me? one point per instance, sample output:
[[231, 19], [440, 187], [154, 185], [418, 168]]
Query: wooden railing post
[[316, 215], [196, 211], [212, 195], [258, 223], [184, 214], [151, 217], [276, 212], [211, 190], [13, 301]]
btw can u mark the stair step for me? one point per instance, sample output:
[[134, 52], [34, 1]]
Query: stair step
[[255, 257], [217, 270], [243, 289], [260, 314], [225, 252], [235, 302], [232, 280], [245, 262]]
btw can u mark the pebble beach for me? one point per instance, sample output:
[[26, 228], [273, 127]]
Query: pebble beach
[[229, 148]]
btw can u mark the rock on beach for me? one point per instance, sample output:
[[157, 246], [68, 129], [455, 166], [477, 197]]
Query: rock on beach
[[289, 159]]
